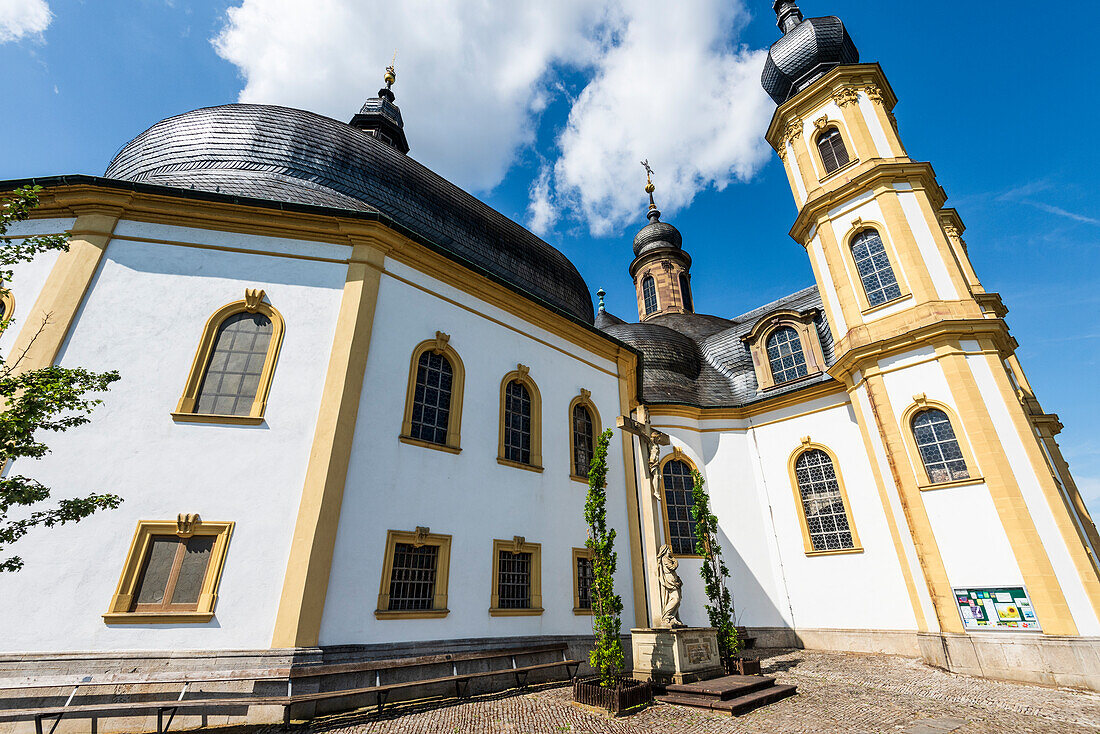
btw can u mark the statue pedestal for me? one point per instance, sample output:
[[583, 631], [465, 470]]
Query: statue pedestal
[[676, 655]]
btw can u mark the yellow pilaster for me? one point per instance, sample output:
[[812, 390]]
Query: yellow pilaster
[[627, 395], [842, 282], [905, 244], [298, 623]]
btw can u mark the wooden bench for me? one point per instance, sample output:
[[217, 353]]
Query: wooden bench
[[170, 708]]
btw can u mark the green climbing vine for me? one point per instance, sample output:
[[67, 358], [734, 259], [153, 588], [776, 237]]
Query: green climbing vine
[[607, 654], [714, 573]]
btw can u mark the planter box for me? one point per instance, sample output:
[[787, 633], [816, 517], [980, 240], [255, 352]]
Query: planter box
[[626, 695], [744, 666]]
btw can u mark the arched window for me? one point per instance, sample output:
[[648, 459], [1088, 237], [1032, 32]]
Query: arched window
[[649, 294], [232, 370], [785, 355], [520, 419], [833, 153], [583, 440], [7, 303], [939, 448], [676, 477], [433, 402], [874, 268], [823, 503], [685, 292]]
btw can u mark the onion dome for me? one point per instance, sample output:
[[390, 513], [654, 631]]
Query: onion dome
[[381, 118], [807, 51]]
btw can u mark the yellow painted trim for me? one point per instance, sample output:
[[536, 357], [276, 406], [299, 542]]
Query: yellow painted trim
[[627, 364], [577, 609], [585, 399], [229, 420], [118, 612], [891, 251], [523, 376], [440, 345], [298, 622], [7, 306], [517, 545], [809, 342], [905, 239], [676, 455], [205, 350], [238, 250], [761, 407], [428, 444], [815, 147], [49, 320], [952, 484], [924, 481], [442, 574], [807, 542]]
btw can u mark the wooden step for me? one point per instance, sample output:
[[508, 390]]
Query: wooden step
[[723, 688], [754, 700], [701, 702]]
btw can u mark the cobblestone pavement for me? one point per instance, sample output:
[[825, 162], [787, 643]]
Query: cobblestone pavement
[[837, 692]]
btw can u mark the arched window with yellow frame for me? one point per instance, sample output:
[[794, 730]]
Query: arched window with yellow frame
[[823, 508], [7, 303], [231, 373], [933, 434], [584, 426], [676, 486], [433, 400], [520, 443]]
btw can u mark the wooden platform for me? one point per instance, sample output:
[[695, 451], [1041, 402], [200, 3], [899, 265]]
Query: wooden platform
[[737, 694]]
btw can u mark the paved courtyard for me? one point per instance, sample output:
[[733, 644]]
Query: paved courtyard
[[837, 692]]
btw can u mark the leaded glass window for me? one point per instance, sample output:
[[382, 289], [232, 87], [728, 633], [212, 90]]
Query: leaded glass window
[[874, 268], [938, 447], [822, 502], [517, 422], [237, 360], [833, 153], [412, 581], [785, 355], [649, 294], [586, 576], [172, 573], [514, 580], [676, 476], [582, 440], [685, 292], [432, 398]]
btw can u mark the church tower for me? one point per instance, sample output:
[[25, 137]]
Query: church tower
[[661, 268], [924, 351]]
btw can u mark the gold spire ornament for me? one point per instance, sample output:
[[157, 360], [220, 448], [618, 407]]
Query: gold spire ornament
[[649, 187], [391, 74]]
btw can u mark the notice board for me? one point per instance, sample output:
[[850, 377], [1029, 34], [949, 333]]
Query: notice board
[[996, 608]]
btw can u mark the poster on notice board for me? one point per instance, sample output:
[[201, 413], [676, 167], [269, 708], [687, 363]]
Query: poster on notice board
[[996, 608]]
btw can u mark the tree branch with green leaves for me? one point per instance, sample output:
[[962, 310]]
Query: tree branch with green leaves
[[607, 654]]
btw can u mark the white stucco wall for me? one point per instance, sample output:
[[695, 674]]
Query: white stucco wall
[[29, 277]]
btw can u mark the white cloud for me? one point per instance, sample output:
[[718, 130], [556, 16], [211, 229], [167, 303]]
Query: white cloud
[[21, 18], [474, 76]]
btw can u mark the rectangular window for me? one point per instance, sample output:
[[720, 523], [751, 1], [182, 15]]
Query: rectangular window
[[414, 575], [584, 577], [517, 578], [514, 580]]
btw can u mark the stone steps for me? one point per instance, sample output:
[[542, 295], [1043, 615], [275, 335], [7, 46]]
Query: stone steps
[[737, 694]]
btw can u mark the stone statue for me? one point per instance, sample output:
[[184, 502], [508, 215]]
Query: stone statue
[[670, 585]]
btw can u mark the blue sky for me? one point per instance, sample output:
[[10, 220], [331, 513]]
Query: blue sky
[[997, 96]]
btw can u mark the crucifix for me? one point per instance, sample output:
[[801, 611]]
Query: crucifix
[[663, 581]]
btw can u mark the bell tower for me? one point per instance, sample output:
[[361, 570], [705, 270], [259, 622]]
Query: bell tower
[[661, 268], [918, 339]]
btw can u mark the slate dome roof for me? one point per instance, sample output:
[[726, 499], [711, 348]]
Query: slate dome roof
[[805, 53], [289, 155], [657, 235]]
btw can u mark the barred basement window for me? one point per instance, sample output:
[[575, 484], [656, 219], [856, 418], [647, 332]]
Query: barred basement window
[[514, 580], [785, 355], [517, 423], [833, 153], [232, 375], [676, 476], [938, 447], [583, 438], [412, 580], [822, 502], [874, 268], [649, 295], [685, 292], [432, 398], [586, 576]]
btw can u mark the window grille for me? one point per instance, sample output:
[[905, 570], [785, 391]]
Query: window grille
[[785, 355], [822, 502], [678, 503], [232, 375], [833, 153], [685, 292], [586, 576], [517, 423], [432, 398], [514, 581], [873, 265], [938, 447], [172, 573], [649, 294], [582, 440], [412, 581]]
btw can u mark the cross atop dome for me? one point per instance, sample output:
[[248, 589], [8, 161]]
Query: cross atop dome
[[380, 117]]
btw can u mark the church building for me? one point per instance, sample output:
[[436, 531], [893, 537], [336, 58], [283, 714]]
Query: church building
[[357, 407]]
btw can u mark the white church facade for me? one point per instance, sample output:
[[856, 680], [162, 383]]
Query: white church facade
[[357, 406]]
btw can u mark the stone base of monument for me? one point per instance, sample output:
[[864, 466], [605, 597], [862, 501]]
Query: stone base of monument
[[676, 655]]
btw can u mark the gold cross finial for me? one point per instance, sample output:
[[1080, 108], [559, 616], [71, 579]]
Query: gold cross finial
[[649, 187], [391, 74]]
